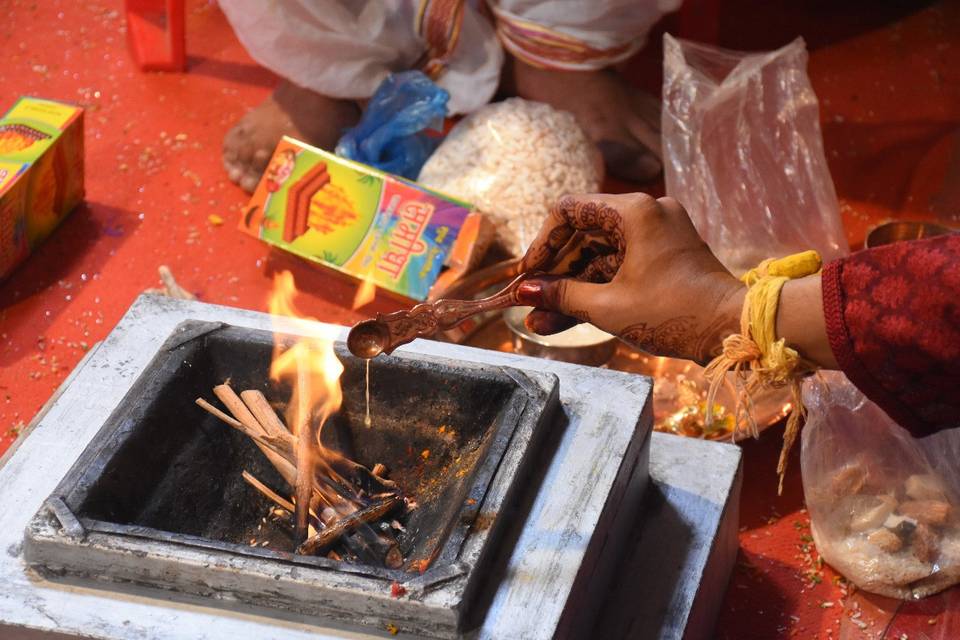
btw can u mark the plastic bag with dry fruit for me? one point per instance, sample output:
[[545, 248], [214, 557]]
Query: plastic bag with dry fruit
[[882, 504]]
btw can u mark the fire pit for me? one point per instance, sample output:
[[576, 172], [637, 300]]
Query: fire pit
[[593, 508], [158, 497]]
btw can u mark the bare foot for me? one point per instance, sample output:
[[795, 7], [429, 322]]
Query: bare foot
[[290, 110], [623, 122]]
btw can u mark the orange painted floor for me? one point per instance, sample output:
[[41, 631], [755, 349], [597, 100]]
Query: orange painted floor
[[888, 76]]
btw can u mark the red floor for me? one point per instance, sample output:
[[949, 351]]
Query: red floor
[[889, 83]]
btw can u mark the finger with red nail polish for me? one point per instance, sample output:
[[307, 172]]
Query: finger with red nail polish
[[545, 323]]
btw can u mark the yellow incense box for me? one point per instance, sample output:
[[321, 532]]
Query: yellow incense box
[[41, 174], [363, 223]]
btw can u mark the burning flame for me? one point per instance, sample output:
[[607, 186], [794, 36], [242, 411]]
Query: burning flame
[[328, 486], [310, 366], [366, 292]]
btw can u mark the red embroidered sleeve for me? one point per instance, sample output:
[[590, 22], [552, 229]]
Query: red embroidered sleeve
[[893, 321]]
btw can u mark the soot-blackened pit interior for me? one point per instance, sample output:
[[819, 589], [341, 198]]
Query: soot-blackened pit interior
[[174, 468]]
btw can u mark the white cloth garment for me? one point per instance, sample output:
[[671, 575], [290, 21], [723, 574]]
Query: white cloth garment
[[345, 48], [618, 25]]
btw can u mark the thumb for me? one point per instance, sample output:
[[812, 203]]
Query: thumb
[[565, 295], [547, 323]]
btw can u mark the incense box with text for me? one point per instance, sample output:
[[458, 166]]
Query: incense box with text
[[361, 222]]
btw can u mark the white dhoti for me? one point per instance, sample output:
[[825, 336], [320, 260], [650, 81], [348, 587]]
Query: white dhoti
[[345, 48]]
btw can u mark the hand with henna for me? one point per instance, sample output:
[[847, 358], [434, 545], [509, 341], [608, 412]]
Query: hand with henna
[[635, 267]]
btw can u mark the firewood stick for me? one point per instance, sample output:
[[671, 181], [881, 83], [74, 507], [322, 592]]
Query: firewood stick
[[304, 484], [306, 456], [354, 541], [383, 546], [328, 516], [280, 454], [239, 410], [267, 491], [232, 401], [230, 420], [347, 468], [236, 424], [279, 446], [279, 500], [286, 469], [172, 287], [347, 524], [264, 413]]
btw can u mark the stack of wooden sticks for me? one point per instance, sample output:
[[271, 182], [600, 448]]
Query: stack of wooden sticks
[[349, 503]]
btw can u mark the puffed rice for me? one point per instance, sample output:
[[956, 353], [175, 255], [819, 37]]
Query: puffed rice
[[513, 160]]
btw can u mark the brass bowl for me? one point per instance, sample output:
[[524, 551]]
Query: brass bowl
[[896, 231], [583, 344]]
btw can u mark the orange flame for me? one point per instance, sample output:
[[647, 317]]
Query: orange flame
[[310, 366]]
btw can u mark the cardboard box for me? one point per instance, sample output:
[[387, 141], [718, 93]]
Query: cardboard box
[[362, 222], [41, 174]]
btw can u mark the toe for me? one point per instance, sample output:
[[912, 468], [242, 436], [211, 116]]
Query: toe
[[243, 157], [237, 150], [234, 172], [248, 174], [234, 142], [248, 182], [260, 159]]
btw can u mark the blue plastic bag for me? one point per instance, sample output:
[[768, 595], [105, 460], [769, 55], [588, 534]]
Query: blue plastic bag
[[391, 134]]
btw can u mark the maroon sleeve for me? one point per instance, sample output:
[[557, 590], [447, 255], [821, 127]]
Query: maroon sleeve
[[893, 321]]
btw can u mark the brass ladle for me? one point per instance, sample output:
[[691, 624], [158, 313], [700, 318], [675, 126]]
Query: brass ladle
[[369, 338]]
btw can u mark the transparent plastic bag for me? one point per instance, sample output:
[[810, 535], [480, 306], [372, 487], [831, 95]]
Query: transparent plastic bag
[[742, 151], [882, 504], [744, 154], [391, 135]]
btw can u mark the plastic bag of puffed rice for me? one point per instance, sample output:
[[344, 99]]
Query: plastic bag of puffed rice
[[883, 505], [512, 160], [742, 151]]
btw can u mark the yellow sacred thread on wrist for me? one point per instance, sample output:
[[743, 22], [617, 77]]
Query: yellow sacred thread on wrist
[[771, 363]]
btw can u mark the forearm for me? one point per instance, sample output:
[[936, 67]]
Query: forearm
[[801, 322], [800, 319]]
